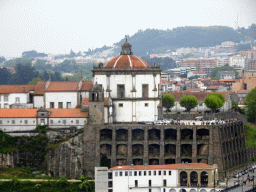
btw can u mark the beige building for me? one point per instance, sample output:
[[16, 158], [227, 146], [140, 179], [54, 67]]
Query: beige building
[[245, 83]]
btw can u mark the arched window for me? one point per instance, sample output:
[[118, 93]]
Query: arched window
[[204, 179], [193, 179], [93, 96], [183, 178]]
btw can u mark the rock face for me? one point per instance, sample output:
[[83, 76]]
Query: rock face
[[75, 157]]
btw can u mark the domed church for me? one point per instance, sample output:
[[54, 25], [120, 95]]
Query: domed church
[[133, 86]]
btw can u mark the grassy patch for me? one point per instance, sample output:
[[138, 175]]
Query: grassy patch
[[250, 133]]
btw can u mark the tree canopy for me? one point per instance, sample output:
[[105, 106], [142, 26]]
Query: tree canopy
[[250, 103], [2, 59], [188, 101], [33, 54], [168, 100], [214, 101], [215, 74], [5, 76], [14, 62]]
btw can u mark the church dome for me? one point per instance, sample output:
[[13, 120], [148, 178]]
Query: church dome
[[126, 60]]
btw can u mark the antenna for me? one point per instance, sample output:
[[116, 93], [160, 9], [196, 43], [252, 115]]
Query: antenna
[[126, 37]]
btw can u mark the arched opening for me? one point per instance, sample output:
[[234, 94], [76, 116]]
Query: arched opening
[[192, 190], [202, 149], [186, 150], [93, 96], [121, 150], [154, 149], [170, 135], [121, 134], [153, 161], [105, 149], [106, 135], [137, 161], [183, 178], [169, 161], [172, 190], [186, 160], [213, 190], [120, 162], [138, 135], [182, 190], [170, 149], [204, 179], [154, 134], [137, 150], [186, 134], [202, 134], [203, 190], [193, 179]]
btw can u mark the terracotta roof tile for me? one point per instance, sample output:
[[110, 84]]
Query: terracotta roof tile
[[7, 89], [164, 82], [167, 166], [86, 86], [18, 113], [39, 88], [63, 86], [213, 87], [196, 89], [67, 113], [85, 101], [224, 80]]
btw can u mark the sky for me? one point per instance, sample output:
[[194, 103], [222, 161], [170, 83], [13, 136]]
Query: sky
[[57, 26]]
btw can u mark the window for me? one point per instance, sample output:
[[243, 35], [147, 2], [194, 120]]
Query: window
[[110, 175], [149, 183], [149, 173], [116, 173], [126, 173], [42, 121], [64, 122], [135, 173], [6, 98], [164, 172], [130, 173], [145, 173], [51, 104], [146, 104], [145, 90], [139, 173], [110, 184], [71, 121], [120, 91], [159, 172], [77, 122], [51, 121], [26, 122], [6, 105], [170, 173], [13, 121], [154, 172], [120, 173], [164, 182], [60, 105], [120, 105], [149, 190], [110, 190], [17, 100], [136, 183], [68, 105], [58, 121], [245, 86]]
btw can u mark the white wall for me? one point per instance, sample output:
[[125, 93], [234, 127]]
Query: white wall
[[11, 99], [58, 122], [19, 125], [61, 97], [38, 101]]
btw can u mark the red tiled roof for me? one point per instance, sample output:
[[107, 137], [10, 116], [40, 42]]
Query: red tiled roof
[[85, 101], [213, 87], [63, 86], [39, 88], [86, 85], [18, 113], [223, 80], [7, 89], [126, 61], [196, 89], [67, 113], [199, 95], [167, 166], [164, 82]]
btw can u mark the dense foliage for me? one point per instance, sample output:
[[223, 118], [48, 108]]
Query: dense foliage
[[250, 133], [168, 100], [188, 101], [250, 104], [165, 63], [214, 101], [237, 108], [2, 59], [33, 54], [15, 62], [215, 74]]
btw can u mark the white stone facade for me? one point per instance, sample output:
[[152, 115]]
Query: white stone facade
[[61, 97]]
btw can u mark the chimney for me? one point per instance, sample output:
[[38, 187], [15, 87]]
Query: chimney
[[146, 165], [132, 166], [23, 89], [186, 164]]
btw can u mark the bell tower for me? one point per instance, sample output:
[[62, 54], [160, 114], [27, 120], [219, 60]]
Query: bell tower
[[96, 104]]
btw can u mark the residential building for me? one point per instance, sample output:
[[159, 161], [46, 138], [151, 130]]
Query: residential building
[[157, 178], [227, 75], [205, 65]]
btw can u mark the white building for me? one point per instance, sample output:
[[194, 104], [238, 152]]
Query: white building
[[133, 85], [185, 177]]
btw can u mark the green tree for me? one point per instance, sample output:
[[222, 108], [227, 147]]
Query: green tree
[[15, 62], [5, 76], [34, 81], [2, 59], [87, 186], [214, 101], [75, 77], [189, 102], [168, 101], [215, 73], [250, 106], [104, 161], [57, 77]]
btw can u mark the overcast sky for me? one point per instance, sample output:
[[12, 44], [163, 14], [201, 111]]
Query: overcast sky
[[56, 26]]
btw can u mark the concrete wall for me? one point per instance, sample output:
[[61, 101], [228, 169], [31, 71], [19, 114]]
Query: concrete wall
[[38, 101], [11, 98], [61, 97]]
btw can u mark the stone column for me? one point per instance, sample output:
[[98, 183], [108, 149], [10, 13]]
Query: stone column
[[129, 155], [113, 151], [97, 162], [178, 160], [145, 158], [211, 146], [194, 146], [161, 159]]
